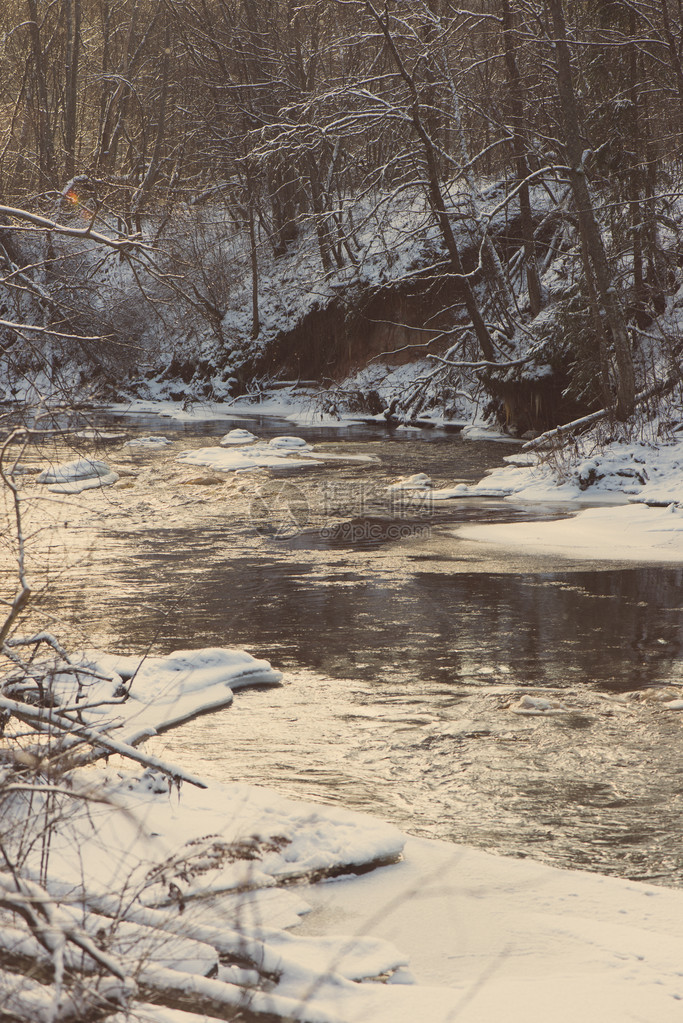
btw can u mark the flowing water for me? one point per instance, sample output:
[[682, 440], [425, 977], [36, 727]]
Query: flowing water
[[403, 647]]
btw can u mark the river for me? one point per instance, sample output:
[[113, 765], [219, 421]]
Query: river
[[404, 647]]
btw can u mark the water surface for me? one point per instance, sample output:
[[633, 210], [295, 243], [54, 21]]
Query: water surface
[[404, 648]]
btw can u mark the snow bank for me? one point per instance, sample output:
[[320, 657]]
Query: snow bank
[[631, 533], [189, 882], [483, 937], [491, 939], [637, 487], [622, 472]]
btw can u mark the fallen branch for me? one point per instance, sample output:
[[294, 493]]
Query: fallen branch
[[77, 732], [661, 387]]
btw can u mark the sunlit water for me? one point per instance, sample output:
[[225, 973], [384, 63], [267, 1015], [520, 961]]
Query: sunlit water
[[403, 648]]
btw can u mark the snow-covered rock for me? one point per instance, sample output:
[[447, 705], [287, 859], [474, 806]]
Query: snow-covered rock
[[149, 442], [419, 481], [537, 705], [297, 443], [81, 474], [237, 437]]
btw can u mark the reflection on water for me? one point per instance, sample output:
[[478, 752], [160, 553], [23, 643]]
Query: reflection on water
[[403, 654]]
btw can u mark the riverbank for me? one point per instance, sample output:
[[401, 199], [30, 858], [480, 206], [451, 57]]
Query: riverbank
[[243, 874], [626, 494], [235, 896]]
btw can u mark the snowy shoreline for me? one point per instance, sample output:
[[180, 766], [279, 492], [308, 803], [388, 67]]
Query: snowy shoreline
[[626, 496], [227, 895], [377, 927]]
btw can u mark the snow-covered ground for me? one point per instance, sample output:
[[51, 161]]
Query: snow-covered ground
[[627, 497], [328, 915]]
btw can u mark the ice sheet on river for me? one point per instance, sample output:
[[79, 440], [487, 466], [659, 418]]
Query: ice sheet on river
[[147, 694], [256, 456], [626, 533], [152, 442], [279, 453], [77, 476]]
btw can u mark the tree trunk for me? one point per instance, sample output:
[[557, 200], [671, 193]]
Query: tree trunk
[[73, 31], [155, 159], [46, 155], [435, 195], [588, 224], [519, 153]]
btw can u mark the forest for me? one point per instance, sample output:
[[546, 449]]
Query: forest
[[402, 209], [201, 194]]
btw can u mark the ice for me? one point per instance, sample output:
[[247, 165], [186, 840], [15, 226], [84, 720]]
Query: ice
[[294, 454], [624, 533], [419, 481], [445, 493], [235, 459], [537, 705], [101, 435], [296, 443], [149, 442], [82, 468], [237, 437], [77, 476]]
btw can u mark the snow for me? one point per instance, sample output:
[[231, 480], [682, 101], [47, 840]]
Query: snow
[[77, 476], [624, 501], [453, 932], [284, 452], [477, 431], [256, 456], [237, 437], [151, 442], [141, 695], [294, 443], [460, 933], [418, 481], [537, 705], [621, 534], [502, 939]]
